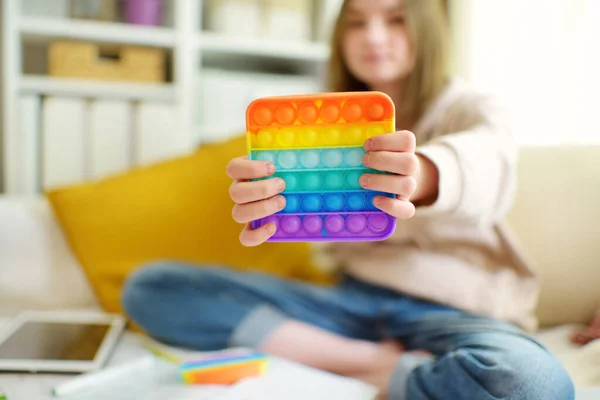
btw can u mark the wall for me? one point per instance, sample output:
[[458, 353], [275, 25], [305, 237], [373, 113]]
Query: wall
[[540, 57]]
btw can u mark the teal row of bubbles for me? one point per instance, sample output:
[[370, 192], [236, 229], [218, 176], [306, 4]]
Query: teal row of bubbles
[[319, 159], [323, 181]]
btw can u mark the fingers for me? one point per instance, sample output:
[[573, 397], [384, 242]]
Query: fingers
[[402, 209], [398, 141], [247, 192], [253, 237], [244, 213], [243, 169], [397, 163], [403, 186]]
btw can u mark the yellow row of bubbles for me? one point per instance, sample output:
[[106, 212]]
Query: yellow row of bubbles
[[314, 136]]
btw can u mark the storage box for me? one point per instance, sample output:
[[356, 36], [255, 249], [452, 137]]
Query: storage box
[[287, 19], [239, 18], [74, 59], [101, 10]]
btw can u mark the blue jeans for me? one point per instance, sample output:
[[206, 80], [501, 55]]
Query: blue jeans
[[476, 358]]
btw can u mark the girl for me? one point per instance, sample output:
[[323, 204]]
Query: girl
[[449, 281]]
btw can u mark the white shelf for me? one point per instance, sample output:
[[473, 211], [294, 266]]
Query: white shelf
[[220, 44], [98, 31], [96, 89]]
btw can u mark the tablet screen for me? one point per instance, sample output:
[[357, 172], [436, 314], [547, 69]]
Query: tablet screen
[[36, 340]]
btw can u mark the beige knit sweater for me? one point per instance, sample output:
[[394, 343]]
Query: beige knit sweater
[[457, 251]]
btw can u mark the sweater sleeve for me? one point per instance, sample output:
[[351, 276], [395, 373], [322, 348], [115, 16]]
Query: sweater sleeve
[[476, 161]]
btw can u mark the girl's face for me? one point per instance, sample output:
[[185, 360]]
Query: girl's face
[[376, 44]]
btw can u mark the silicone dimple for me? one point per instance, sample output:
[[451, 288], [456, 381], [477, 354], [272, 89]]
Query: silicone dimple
[[331, 136], [378, 222], [263, 116], [356, 201], [311, 203], [291, 182], [312, 223], [376, 111], [285, 138], [308, 137], [285, 114], [352, 179], [330, 112], [334, 202], [316, 145], [291, 224], [287, 159], [265, 156], [332, 158], [310, 158], [356, 223], [334, 223], [265, 138], [292, 204], [334, 180], [354, 157], [354, 136], [308, 113], [375, 130], [352, 111], [311, 181]]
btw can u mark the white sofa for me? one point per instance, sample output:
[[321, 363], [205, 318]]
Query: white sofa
[[556, 217]]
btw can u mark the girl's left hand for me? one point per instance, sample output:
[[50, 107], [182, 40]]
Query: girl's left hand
[[395, 153]]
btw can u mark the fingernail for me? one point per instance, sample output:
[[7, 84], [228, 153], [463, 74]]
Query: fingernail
[[271, 228], [270, 168], [280, 185], [377, 201], [280, 201], [364, 181], [366, 159], [368, 144]]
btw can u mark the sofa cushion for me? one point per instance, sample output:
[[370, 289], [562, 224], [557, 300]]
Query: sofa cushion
[[178, 209], [556, 217]]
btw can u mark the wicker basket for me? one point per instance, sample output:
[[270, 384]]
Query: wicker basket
[[75, 59]]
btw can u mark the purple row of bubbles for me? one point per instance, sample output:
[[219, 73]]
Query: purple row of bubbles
[[322, 225]]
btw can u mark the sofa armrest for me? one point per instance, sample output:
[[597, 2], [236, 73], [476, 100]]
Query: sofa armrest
[[37, 268], [555, 217]]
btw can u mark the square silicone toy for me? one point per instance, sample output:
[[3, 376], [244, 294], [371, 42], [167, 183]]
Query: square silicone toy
[[316, 143]]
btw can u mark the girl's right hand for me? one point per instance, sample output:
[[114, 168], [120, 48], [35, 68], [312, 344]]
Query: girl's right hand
[[254, 200]]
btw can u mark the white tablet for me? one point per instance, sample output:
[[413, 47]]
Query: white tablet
[[59, 341]]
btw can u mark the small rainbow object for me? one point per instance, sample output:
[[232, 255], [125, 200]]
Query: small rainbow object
[[316, 144], [223, 369]]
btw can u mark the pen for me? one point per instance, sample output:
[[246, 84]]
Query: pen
[[96, 378]]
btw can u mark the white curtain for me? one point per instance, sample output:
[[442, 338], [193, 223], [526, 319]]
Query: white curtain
[[542, 57]]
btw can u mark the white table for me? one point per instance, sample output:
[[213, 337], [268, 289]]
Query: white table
[[284, 380]]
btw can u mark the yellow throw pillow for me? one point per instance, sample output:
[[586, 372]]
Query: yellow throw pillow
[[177, 210]]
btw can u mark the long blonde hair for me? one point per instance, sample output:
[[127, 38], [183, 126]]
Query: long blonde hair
[[428, 30]]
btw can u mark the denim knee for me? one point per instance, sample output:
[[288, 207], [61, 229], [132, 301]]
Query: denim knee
[[492, 366], [140, 287], [534, 376]]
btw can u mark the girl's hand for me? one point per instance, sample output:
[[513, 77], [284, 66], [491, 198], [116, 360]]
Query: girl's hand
[[416, 178], [254, 200]]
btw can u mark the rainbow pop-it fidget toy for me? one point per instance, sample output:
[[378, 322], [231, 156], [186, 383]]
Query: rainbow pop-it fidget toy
[[223, 369], [316, 144]]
